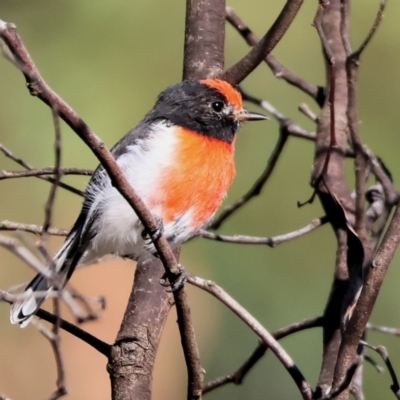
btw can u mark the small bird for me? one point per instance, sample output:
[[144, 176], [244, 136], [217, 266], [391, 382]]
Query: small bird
[[180, 161]]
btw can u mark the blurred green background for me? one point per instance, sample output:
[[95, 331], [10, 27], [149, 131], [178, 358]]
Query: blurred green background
[[109, 60]]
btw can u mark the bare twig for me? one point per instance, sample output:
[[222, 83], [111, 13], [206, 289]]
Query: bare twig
[[269, 241], [24, 254], [247, 64], [48, 209], [238, 376], [54, 338], [306, 110], [21, 162], [44, 171], [383, 329], [243, 314], [385, 357], [37, 229], [371, 33], [279, 70]]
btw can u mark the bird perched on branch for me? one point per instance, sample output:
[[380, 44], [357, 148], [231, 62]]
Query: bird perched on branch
[[179, 159]]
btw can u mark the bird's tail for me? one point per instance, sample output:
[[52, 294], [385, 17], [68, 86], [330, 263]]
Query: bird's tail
[[40, 287]]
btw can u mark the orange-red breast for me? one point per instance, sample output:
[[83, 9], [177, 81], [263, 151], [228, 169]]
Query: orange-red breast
[[179, 159]]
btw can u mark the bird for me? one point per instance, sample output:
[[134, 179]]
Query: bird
[[180, 161]]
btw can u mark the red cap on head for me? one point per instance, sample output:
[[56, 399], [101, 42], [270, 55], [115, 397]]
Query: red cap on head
[[230, 93]]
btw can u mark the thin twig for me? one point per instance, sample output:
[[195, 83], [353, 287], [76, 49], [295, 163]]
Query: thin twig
[[32, 228], [247, 64], [54, 338], [44, 171], [48, 209], [24, 254], [269, 241], [279, 70], [277, 349], [385, 357], [371, 33], [384, 329], [21, 162], [238, 376], [306, 110]]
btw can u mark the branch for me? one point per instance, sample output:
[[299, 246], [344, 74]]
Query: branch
[[283, 357], [269, 241], [44, 171], [373, 281], [279, 70], [385, 357], [238, 376], [247, 64], [17, 226], [21, 162]]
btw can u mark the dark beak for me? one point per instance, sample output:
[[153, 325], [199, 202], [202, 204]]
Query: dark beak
[[245, 115]]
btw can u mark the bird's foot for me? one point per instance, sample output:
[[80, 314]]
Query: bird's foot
[[178, 283], [155, 234]]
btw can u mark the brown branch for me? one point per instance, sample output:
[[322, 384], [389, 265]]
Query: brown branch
[[269, 241], [37, 229], [373, 281], [24, 254], [279, 70], [371, 33], [247, 64], [239, 375], [395, 387], [139, 335], [44, 171], [21, 162], [383, 329], [243, 314], [204, 39]]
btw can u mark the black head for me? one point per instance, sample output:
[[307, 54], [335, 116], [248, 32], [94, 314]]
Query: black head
[[210, 107]]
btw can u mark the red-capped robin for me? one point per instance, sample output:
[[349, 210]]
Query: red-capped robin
[[179, 159]]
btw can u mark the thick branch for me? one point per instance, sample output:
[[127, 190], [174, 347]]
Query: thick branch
[[366, 301]]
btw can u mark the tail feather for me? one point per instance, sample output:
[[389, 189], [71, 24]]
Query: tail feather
[[39, 288], [23, 310]]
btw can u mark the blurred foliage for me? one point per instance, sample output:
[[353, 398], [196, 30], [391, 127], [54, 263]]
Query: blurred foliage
[[109, 60]]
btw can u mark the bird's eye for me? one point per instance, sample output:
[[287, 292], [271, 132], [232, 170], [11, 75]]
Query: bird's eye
[[217, 106]]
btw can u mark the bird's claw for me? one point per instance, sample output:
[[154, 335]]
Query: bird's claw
[[155, 234], [179, 282]]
